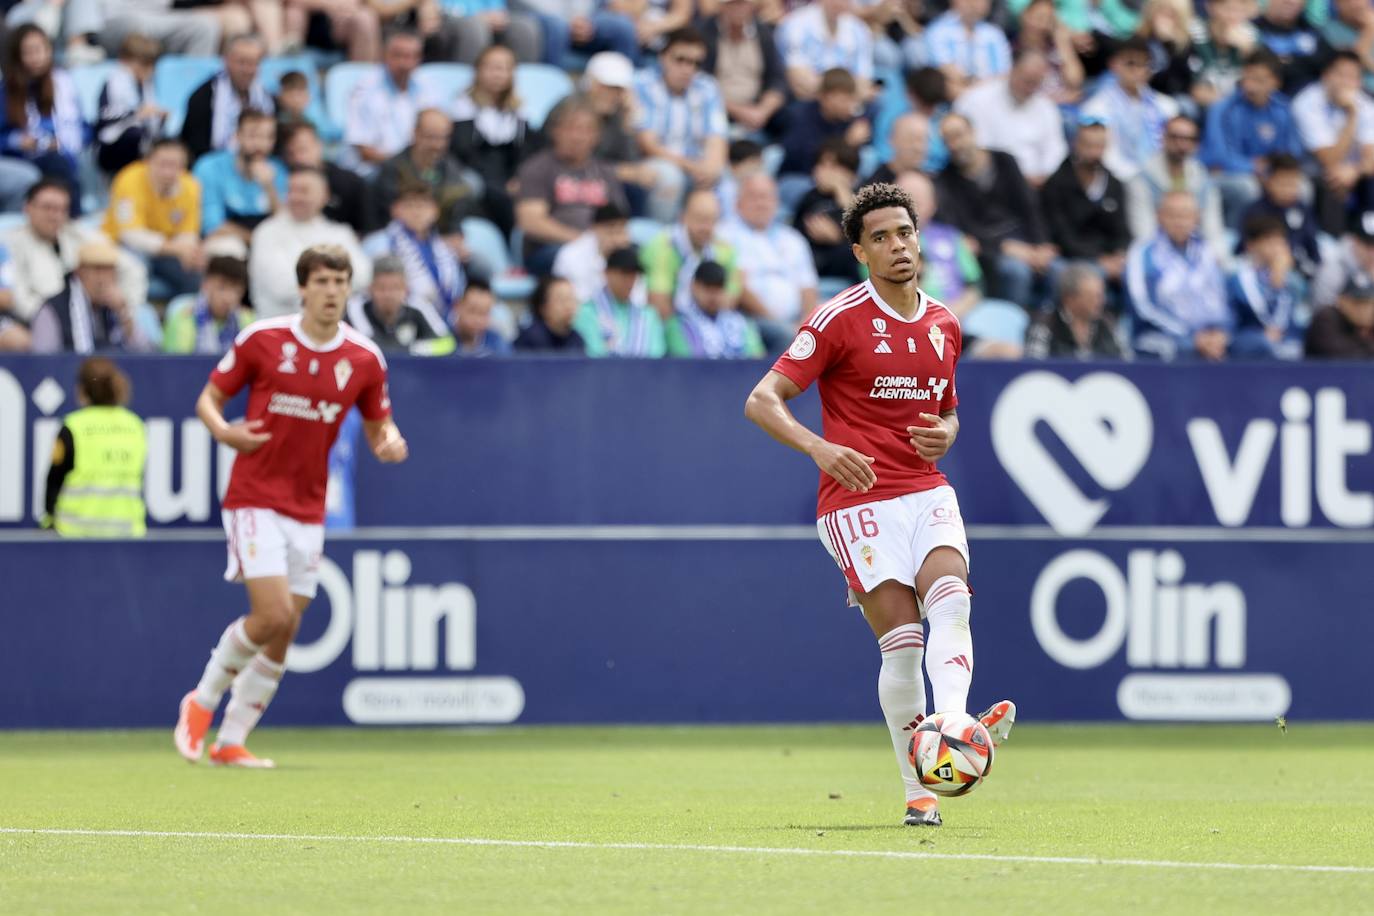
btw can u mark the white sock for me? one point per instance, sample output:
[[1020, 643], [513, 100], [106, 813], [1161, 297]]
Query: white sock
[[949, 650], [253, 690], [234, 651], [902, 694]]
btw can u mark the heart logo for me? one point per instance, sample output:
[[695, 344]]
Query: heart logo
[[1102, 419]]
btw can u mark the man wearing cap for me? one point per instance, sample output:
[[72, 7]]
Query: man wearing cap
[[706, 326], [608, 87], [742, 54], [617, 321], [1354, 258], [1345, 331], [91, 313]]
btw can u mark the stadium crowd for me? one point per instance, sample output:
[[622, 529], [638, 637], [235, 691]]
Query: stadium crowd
[[1094, 178]]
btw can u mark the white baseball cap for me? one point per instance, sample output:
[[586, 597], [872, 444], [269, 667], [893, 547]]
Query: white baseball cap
[[611, 68]]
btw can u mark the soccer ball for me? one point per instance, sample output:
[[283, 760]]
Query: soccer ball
[[951, 753]]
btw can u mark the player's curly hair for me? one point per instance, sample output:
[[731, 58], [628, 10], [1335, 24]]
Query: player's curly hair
[[874, 197]]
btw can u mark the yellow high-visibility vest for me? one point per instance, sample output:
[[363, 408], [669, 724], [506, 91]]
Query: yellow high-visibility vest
[[103, 494]]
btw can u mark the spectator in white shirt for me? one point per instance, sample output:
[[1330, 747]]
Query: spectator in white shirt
[[1011, 114], [383, 108], [1336, 122], [820, 36], [582, 262], [967, 47], [279, 240], [775, 261], [1133, 112]]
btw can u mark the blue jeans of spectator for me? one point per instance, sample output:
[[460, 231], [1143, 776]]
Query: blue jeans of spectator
[[1253, 343], [16, 177], [539, 259], [612, 32], [167, 279]]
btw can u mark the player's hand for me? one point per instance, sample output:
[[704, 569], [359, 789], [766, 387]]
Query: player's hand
[[932, 442], [852, 469], [244, 436], [392, 450]]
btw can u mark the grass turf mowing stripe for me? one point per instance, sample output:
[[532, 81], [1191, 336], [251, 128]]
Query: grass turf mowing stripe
[[671, 847]]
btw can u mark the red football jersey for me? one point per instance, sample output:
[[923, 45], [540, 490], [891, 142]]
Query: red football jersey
[[878, 372], [302, 391]]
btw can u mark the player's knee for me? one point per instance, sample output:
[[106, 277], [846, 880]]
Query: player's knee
[[275, 619]]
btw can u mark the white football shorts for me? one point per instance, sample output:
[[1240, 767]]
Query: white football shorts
[[265, 543], [891, 538]]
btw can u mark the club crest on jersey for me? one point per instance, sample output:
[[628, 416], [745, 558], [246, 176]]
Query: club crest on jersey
[[882, 347], [937, 340], [343, 371], [867, 554], [288, 357]]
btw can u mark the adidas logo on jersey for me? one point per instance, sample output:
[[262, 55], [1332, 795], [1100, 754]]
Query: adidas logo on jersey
[[882, 347]]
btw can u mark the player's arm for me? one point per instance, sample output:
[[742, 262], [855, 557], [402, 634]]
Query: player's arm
[[767, 406], [386, 441], [933, 442], [243, 436]]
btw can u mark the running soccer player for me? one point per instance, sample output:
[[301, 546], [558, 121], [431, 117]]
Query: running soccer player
[[304, 373], [884, 353]]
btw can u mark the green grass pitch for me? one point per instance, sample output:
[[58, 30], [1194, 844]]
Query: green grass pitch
[[337, 828]]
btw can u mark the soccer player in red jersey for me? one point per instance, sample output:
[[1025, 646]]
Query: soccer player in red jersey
[[304, 373], [884, 354]]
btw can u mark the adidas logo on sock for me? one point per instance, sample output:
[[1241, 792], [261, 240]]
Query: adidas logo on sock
[[961, 661]]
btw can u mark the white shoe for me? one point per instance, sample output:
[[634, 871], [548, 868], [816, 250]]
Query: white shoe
[[998, 720]]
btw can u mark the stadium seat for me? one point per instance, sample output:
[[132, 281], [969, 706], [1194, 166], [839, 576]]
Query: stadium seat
[[338, 86], [995, 319], [489, 249], [540, 87], [274, 68], [89, 80], [642, 229], [10, 221], [174, 79], [446, 81]]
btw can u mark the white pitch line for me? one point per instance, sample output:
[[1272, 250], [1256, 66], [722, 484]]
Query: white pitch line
[[671, 847]]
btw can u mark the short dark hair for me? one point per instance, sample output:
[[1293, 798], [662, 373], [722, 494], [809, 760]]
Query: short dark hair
[[842, 152], [475, 284], [687, 35], [308, 170], [102, 382], [408, 189], [872, 197], [294, 79], [1262, 225], [928, 85], [742, 150], [249, 115], [290, 130], [1281, 162], [235, 270], [1263, 57], [1342, 56], [1135, 44], [46, 184], [322, 257], [140, 47], [540, 297], [610, 212], [838, 79], [164, 143]]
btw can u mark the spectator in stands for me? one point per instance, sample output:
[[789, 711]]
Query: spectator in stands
[[395, 322], [1176, 289], [1134, 113], [617, 321], [681, 125], [242, 187], [490, 136], [1080, 328], [708, 324], [1222, 40], [478, 25], [195, 32], [210, 323], [472, 332], [983, 193], [212, 112], [1336, 121], [607, 86], [75, 23], [585, 25], [1282, 198], [746, 158], [427, 161], [950, 271], [1041, 29], [835, 112], [349, 196], [553, 307], [926, 96], [1345, 330], [1013, 115], [742, 54], [821, 35], [41, 123], [155, 212], [1352, 29], [1285, 30], [672, 256], [350, 25], [582, 262], [654, 19], [293, 105], [280, 239], [967, 47], [909, 140], [1085, 206], [1266, 294], [44, 250], [1176, 168], [384, 105], [14, 333], [1244, 129], [817, 215], [1354, 258], [130, 117], [561, 187], [781, 276], [1166, 26], [90, 312], [434, 271]]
